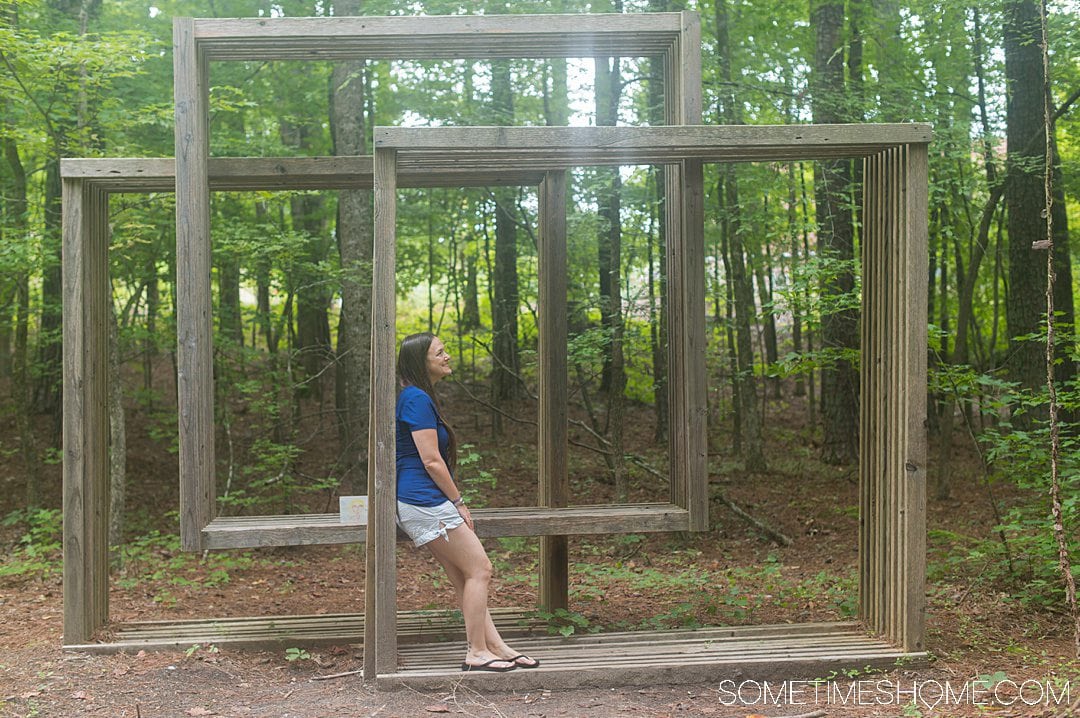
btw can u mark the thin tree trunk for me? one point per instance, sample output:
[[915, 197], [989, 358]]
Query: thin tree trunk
[[7, 306], [658, 301], [117, 436], [609, 258], [753, 441], [348, 90], [729, 323], [313, 343], [505, 369], [796, 259], [763, 275], [839, 377]]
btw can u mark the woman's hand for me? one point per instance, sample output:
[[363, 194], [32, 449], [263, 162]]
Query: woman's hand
[[463, 509]]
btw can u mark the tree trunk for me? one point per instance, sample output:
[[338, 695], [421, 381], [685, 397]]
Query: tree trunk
[[763, 272], [7, 306], [839, 329], [796, 259], [505, 306], [658, 301], [753, 453], [16, 206], [229, 318], [117, 436], [313, 343], [609, 257], [354, 240], [1024, 193], [47, 389]]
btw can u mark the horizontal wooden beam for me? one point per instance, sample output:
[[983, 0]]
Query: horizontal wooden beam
[[275, 173], [306, 529], [269, 632], [490, 149], [438, 37]]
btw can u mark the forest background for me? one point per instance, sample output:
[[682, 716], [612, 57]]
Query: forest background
[[86, 78]]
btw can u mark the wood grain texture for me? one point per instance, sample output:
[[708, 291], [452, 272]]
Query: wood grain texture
[[230, 532], [274, 173], [693, 341], [675, 142], [678, 436], [662, 657], [194, 328], [275, 632], [85, 280], [382, 461], [915, 264], [553, 476], [459, 36]]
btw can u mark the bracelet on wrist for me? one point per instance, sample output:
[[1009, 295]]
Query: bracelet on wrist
[[459, 501]]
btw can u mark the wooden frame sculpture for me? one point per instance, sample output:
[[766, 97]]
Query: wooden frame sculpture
[[675, 37], [893, 374]]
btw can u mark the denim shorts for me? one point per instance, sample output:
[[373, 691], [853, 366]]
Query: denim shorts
[[424, 524]]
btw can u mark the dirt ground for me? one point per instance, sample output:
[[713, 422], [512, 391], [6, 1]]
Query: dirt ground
[[730, 575]]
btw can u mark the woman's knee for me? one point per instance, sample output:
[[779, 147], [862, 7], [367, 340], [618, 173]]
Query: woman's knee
[[479, 570]]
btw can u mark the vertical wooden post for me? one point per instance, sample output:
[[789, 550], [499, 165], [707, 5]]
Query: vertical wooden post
[[688, 71], [554, 482], [915, 264], [383, 580], [869, 385], [692, 340], [892, 535], [895, 311], [85, 267], [678, 442], [194, 328], [684, 230]]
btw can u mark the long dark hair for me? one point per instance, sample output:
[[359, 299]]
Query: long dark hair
[[412, 370]]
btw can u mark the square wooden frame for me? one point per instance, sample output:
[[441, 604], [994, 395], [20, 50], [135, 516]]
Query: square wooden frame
[[893, 374], [675, 37]]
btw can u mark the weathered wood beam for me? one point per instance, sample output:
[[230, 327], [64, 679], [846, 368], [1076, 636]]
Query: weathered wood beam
[[438, 37], [270, 173]]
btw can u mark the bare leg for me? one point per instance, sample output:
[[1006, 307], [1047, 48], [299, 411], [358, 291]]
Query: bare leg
[[469, 569]]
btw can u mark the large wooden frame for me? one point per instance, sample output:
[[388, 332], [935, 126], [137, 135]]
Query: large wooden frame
[[892, 464], [675, 37], [892, 467], [893, 459]]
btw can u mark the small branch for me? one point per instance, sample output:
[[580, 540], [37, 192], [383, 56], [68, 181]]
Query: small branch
[[337, 675], [774, 535]]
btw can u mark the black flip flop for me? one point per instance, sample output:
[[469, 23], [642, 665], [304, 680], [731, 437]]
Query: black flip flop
[[488, 667], [535, 663]]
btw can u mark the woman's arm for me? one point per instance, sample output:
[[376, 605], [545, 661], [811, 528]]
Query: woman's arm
[[427, 445]]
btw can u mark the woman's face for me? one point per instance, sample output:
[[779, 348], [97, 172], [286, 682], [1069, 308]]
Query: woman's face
[[438, 361]]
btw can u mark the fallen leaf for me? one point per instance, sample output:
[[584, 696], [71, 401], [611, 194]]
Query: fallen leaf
[[438, 708], [79, 695]]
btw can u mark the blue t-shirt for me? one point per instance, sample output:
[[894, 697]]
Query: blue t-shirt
[[416, 411]]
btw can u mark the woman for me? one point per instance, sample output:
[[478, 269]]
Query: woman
[[431, 509]]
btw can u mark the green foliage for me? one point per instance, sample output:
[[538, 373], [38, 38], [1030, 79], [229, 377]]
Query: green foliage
[[476, 482], [155, 562], [296, 654], [38, 551], [562, 622]]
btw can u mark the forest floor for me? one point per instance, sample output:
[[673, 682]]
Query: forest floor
[[978, 628]]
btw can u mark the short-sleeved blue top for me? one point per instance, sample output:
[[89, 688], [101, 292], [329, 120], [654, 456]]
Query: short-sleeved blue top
[[416, 411]]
